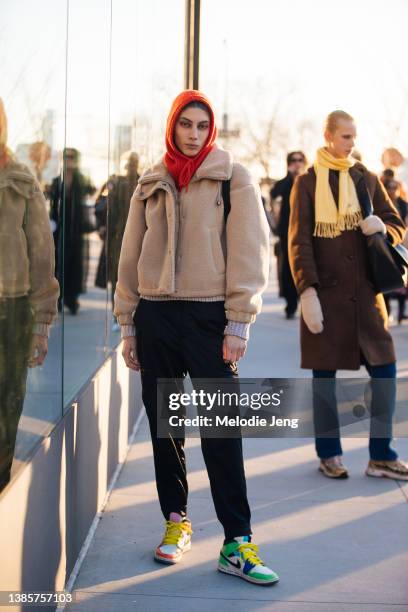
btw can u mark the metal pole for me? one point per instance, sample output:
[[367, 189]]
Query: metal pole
[[192, 44]]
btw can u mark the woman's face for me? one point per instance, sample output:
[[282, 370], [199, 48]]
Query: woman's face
[[340, 143], [191, 130], [393, 190]]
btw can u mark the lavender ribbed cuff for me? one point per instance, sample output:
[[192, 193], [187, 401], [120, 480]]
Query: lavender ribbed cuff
[[127, 330], [236, 328], [41, 329]]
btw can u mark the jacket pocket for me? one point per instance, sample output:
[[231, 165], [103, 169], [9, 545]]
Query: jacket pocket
[[217, 252], [14, 266], [151, 261]]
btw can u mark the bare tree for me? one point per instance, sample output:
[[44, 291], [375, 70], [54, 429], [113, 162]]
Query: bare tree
[[266, 135]]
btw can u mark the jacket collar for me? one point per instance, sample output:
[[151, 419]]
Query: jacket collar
[[18, 177], [216, 166], [16, 171], [357, 172]]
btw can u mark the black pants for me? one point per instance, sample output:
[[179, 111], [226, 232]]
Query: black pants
[[175, 338], [15, 339], [287, 286], [401, 299]]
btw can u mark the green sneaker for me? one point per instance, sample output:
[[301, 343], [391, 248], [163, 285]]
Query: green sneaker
[[240, 558]]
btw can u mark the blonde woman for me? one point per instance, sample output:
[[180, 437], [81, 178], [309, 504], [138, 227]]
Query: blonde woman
[[344, 322]]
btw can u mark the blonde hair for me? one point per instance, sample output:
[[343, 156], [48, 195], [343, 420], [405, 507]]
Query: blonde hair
[[332, 120], [3, 126]]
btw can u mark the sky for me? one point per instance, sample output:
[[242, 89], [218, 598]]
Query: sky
[[295, 60]]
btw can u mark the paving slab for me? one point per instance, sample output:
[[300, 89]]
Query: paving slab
[[88, 601], [337, 545], [330, 550]]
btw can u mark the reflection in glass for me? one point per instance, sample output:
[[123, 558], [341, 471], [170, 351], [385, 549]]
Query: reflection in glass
[[73, 91], [28, 290], [70, 228], [112, 209]]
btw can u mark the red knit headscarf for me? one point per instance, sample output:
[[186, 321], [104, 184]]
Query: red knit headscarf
[[180, 166]]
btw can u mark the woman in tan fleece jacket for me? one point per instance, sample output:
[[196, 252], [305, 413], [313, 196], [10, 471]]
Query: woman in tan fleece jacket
[[28, 290], [189, 285]]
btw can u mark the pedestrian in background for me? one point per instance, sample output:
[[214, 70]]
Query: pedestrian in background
[[296, 165], [344, 322], [111, 211], [393, 188], [72, 221]]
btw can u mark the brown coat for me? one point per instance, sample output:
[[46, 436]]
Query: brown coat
[[355, 318]]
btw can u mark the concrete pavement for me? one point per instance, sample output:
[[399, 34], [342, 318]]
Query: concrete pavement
[[337, 545]]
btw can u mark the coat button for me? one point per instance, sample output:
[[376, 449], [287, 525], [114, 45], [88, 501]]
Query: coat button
[[353, 299], [350, 257], [218, 202]]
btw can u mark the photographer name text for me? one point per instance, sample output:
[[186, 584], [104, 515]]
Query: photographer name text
[[235, 421]]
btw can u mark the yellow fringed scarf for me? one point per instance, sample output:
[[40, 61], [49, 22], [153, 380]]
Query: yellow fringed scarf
[[330, 221]]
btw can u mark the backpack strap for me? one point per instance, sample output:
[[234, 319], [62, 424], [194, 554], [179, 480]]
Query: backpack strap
[[226, 188]]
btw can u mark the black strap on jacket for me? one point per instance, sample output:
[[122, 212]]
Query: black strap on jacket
[[226, 188]]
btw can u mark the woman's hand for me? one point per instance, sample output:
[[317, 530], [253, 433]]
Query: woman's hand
[[311, 310], [129, 353], [38, 350], [372, 225], [233, 348]]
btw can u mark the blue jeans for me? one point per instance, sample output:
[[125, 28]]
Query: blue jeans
[[326, 419]]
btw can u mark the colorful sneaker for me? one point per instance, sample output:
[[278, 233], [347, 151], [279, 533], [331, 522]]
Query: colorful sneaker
[[387, 469], [240, 558], [176, 540], [333, 467]]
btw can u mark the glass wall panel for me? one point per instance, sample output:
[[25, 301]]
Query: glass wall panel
[[147, 73], [32, 121], [86, 88], [85, 171]]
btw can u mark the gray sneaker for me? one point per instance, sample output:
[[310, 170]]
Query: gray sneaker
[[398, 470], [333, 467]]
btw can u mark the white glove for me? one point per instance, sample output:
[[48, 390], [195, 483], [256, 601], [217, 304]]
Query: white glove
[[311, 310], [372, 225]]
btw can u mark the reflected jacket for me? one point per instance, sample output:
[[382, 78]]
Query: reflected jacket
[[176, 245], [26, 244]]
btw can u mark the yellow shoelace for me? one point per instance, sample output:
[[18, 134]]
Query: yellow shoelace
[[175, 530], [249, 552]]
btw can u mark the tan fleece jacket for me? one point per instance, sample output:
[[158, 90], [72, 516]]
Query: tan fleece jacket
[[26, 244], [177, 244]]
